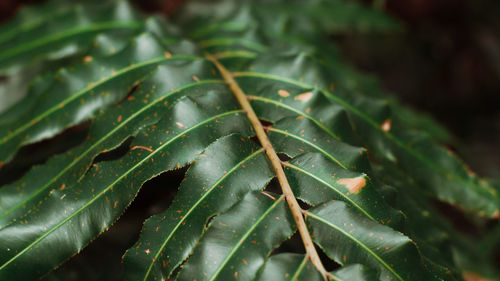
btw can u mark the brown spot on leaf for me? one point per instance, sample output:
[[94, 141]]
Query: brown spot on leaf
[[283, 93], [386, 126], [167, 54], [119, 119], [332, 87], [305, 97], [195, 78], [62, 187], [353, 184], [87, 59]]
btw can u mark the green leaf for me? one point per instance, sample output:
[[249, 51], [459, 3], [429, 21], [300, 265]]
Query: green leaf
[[348, 238], [72, 216], [237, 243], [56, 30], [291, 267], [430, 165], [80, 92], [109, 130], [151, 253], [213, 184]]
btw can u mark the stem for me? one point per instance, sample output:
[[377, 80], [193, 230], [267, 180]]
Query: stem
[[276, 162]]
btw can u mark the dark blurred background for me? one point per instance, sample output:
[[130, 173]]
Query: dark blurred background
[[446, 63]]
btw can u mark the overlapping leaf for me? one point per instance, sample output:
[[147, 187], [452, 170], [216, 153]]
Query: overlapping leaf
[[293, 267], [430, 165], [341, 233], [80, 92], [388, 136], [59, 29], [71, 216], [111, 129], [222, 225]]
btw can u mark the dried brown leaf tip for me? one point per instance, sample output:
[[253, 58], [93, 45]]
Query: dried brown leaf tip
[[353, 184]]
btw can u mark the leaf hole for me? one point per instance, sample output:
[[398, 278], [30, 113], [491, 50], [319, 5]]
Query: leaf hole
[[209, 221], [328, 263], [273, 187], [255, 140], [283, 157], [266, 123], [155, 196], [291, 245], [39, 152], [114, 153], [303, 204]]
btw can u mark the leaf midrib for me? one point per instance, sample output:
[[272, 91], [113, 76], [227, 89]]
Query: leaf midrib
[[105, 190], [276, 162]]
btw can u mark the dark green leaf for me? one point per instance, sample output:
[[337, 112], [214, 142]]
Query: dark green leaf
[[347, 237]]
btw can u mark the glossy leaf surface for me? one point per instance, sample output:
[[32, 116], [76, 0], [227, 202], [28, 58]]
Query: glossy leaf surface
[[191, 93]]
